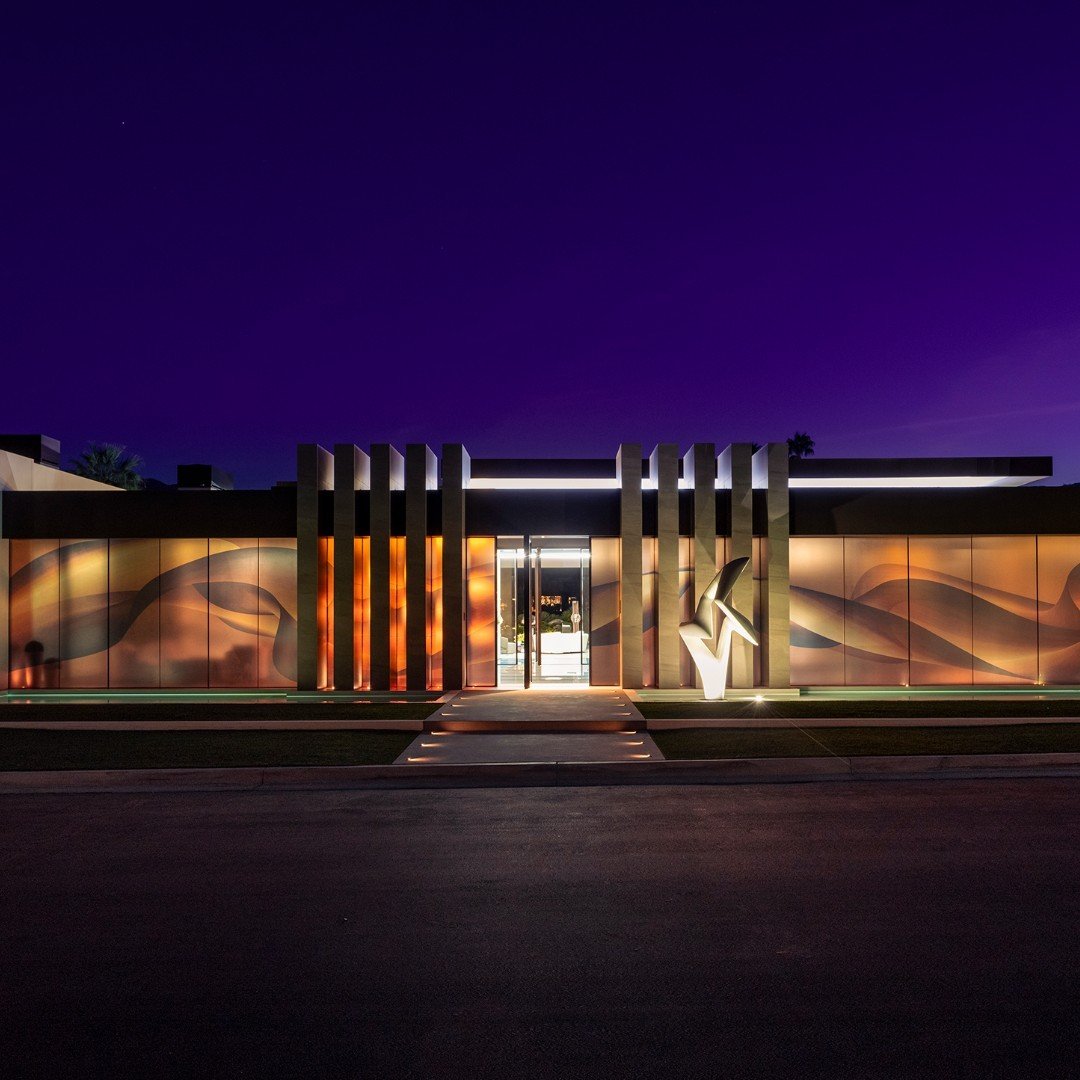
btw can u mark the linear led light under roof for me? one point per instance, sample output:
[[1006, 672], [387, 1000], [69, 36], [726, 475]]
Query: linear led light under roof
[[542, 483], [563, 483], [910, 481]]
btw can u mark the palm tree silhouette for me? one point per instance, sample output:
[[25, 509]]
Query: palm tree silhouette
[[800, 445], [110, 464]]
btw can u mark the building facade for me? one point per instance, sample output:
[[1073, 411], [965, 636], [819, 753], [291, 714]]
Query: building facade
[[396, 572]]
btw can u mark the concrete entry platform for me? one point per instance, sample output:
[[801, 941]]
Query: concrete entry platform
[[531, 726], [577, 709]]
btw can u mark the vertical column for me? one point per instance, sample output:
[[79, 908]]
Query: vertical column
[[771, 473], [699, 471], [387, 474], [5, 609], [664, 469], [456, 470], [628, 473], [421, 473], [735, 472], [314, 473], [352, 473]]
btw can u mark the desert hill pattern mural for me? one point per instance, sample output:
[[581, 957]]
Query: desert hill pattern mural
[[949, 610], [866, 611], [149, 613]]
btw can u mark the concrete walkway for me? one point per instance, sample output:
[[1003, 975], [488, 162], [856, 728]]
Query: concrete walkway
[[542, 707], [534, 726]]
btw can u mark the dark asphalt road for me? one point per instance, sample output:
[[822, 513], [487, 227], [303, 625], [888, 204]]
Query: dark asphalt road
[[856, 930]]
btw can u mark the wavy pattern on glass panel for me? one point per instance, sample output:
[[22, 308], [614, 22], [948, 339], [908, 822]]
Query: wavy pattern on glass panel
[[223, 580], [944, 608]]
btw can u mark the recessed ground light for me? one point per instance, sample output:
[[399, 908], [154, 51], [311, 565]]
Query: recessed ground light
[[759, 697]]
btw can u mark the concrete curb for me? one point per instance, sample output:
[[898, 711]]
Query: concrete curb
[[214, 725], [546, 774]]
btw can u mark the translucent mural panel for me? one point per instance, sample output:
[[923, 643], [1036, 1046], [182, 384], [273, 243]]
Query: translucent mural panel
[[234, 612], [5, 612], [1059, 609], [134, 613], [277, 612], [362, 609], [605, 665], [480, 643], [1005, 623], [34, 619], [185, 613], [84, 613], [817, 610], [758, 569], [649, 589], [875, 611], [325, 613], [939, 588], [398, 613], [434, 629], [686, 605], [722, 543]]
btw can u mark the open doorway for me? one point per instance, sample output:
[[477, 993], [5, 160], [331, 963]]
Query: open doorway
[[543, 605]]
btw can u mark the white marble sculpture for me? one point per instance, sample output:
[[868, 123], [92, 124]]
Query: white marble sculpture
[[708, 636]]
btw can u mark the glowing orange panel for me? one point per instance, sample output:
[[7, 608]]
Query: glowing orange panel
[[233, 585], [604, 659], [185, 613], [723, 543], [434, 613], [875, 610], [1005, 620], [134, 613], [84, 613], [277, 612], [362, 610], [686, 604], [1059, 609], [325, 614], [939, 586], [758, 569], [34, 619], [648, 610], [817, 610], [397, 613], [480, 642]]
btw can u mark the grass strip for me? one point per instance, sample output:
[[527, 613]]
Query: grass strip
[[703, 743], [810, 709], [180, 711], [31, 749]]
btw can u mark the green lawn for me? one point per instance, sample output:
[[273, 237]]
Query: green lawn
[[24, 748], [696, 743], [180, 710], [841, 709]]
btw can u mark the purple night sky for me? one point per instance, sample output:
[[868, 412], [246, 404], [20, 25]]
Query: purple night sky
[[542, 229]]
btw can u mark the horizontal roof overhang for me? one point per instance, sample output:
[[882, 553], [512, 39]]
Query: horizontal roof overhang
[[965, 472], [598, 474]]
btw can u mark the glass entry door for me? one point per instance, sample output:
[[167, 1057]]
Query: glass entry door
[[543, 604]]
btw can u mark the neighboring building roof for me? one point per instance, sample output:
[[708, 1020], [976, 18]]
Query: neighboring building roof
[[19, 473]]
